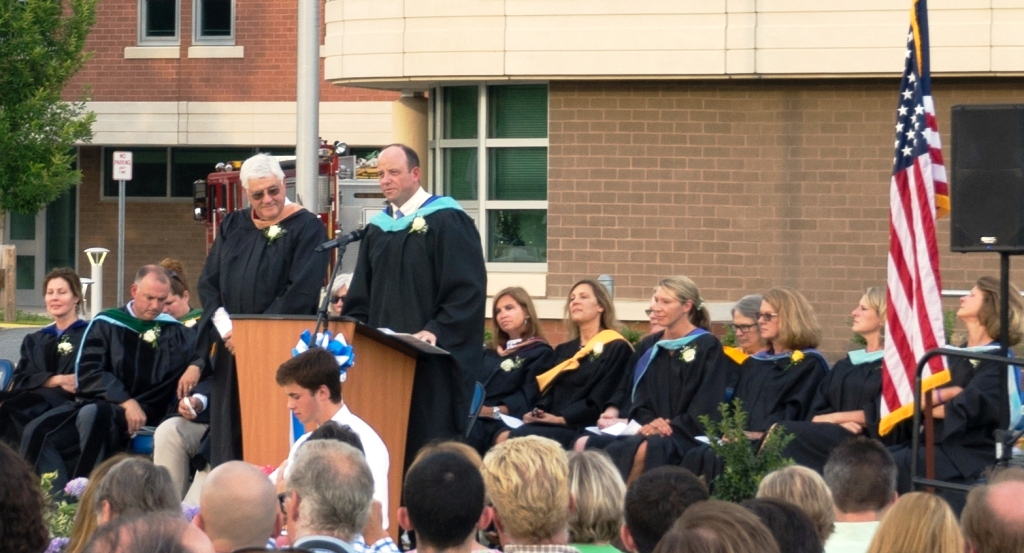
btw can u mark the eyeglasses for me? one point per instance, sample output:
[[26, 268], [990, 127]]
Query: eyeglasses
[[280, 501], [336, 299], [257, 196], [767, 316], [743, 329]]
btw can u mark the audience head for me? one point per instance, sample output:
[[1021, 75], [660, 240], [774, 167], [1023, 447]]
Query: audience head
[[788, 321], [598, 492], [723, 527], [238, 507], [177, 304], [311, 381], [744, 323], [983, 302], [338, 290], [653, 503], [993, 521], [135, 486], [399, 170], [918, 523], [861, 475], [676, 296], [792, 529], [152, 533], [329, 491], [460, 448], [22, 526], [527, 480], [513, 312], [333, 430], [444, 500], [62, 292], [150, 290], [86, 515], [806, 489], [589, 300]]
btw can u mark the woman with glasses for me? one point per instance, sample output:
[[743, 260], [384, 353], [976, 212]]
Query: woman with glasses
[[571, 395], [516, 354], [338, 290], [744, 325]]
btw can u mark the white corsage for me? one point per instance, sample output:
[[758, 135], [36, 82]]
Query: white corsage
[[273, 232], [597, 351], [150, 336], [64, 347], [688, 354], [511, 364], [419, 225], [190, 323]]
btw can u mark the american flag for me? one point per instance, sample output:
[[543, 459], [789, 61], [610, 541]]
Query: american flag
[[918, 196]]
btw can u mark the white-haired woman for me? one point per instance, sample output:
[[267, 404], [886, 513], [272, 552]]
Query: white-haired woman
[[338, 290], [262, 262]]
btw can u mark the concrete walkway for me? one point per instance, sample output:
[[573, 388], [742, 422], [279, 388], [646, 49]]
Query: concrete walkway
[[10, 340]]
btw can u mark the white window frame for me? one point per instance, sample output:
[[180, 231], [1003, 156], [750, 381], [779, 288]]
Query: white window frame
[[210, 41], [144, 40], [478, 208]]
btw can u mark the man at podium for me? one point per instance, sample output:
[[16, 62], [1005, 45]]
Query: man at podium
[[421, 271]]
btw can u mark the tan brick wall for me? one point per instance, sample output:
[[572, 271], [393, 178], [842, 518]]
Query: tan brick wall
[[267, 29], [740, 185], [153, 231]]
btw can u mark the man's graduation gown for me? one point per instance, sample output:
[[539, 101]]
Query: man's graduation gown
[[433, 280], [247, 273], [115, 364], [42, 356]]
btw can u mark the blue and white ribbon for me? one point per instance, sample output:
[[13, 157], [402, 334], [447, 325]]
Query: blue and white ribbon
[[335, 345]]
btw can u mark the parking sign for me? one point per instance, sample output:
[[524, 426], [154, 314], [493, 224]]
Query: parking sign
[[122, 166]]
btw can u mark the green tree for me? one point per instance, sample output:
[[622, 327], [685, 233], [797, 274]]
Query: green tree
[[41, 45]]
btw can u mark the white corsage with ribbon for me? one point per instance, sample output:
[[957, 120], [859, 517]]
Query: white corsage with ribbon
[[335, 345]]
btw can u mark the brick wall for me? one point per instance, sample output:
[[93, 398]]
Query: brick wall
[[266, 28], [153, 231], [740, 185]]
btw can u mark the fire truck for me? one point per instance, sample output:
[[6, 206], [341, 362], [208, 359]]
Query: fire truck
[[345, 203]]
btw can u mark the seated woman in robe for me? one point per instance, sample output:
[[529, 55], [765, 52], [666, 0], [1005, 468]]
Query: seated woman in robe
[[967, 408], [589, 367], [517, 353], [45, 375], [675, 377], [744, 325], [846, 403]]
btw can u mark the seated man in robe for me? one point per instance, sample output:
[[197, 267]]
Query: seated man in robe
[[127, 373]]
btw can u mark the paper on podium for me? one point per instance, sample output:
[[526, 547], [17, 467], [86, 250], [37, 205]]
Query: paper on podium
[[618, 429], [511, 422], [414, 342]]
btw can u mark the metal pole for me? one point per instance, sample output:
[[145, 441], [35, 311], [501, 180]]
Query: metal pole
[[120, 243], [307, 135], [96, 258]]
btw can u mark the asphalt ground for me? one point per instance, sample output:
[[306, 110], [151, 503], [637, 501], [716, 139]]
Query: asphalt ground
[[10, 341]]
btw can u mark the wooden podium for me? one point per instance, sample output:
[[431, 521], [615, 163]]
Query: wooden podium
[[378, 389]]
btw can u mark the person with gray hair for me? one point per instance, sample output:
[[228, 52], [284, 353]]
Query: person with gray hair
[[152, 533], [338, 290], [744, 324], [238, 507], [263, 262], [328, 497], [135, 486], [128, 368]]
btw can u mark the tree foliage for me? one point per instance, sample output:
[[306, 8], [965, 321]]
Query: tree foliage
[[41, 44]]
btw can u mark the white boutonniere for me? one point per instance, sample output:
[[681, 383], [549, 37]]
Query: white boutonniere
[[688, 354], [190, 323], [511, 364], [273, 232], [975, 363], [419, 225], [150, 336], [597, 351], [64, 347]]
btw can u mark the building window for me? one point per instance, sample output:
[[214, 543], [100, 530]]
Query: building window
[[170, 172], [491, 142], [158, 22], [214, 22]]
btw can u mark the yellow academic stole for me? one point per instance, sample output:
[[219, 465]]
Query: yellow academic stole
[[573, 363]]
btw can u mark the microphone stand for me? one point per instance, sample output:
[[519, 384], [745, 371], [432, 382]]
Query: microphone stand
[[321, 316]]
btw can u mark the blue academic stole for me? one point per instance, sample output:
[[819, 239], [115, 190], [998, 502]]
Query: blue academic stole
[[672, 345], [385, 222]]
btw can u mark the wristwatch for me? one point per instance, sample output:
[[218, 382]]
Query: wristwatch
[[495, 413]]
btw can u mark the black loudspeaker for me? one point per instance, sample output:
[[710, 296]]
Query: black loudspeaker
[[987, 190]]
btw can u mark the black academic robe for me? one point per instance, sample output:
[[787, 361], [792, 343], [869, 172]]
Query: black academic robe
[[776, 390], [116, 364], [847, 387], [247, 274], [675, 389], [434, 281], [964, 442], [579, 395], [509, 387], [42, 356]]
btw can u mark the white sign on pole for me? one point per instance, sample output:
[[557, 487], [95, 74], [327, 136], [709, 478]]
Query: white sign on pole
[[122, 166]]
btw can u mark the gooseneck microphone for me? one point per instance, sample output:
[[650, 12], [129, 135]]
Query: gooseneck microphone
[[354, 236]]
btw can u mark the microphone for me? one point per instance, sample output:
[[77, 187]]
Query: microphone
[[354, 236]]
